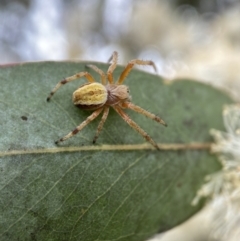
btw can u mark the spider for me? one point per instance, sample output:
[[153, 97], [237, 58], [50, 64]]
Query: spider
[[101, 96]]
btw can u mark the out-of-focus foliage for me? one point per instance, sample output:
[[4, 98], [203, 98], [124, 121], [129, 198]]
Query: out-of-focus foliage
[[197, 39]]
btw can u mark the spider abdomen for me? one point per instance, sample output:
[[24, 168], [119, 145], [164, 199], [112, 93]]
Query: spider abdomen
[[92, 95]]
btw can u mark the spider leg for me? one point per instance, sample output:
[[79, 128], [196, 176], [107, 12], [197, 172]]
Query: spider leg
[[68, 79], [135, 126], [99, 71], [140, 110], [112, 66], [100, 126], [111, 57], [81, 126], [130, 65]]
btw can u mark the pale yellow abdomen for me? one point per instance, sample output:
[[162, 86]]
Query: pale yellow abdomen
[[91, 94]]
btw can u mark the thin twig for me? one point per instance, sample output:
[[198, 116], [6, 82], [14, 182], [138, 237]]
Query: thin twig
[[145, 146]]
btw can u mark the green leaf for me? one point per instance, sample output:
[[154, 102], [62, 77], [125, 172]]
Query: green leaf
[[61, 193]]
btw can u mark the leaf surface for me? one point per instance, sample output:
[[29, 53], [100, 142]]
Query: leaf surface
[[99, 194]]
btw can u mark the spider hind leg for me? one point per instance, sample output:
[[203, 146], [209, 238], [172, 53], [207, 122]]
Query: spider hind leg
[[101, 123], [99, 71], [90, 118], [69, 79]]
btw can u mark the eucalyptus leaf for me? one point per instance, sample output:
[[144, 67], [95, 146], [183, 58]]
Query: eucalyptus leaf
[[50, 192]]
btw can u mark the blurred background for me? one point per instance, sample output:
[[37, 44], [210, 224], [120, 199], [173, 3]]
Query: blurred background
[[197, 39]]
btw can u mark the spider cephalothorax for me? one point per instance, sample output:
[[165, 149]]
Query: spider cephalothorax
[[101, 96]]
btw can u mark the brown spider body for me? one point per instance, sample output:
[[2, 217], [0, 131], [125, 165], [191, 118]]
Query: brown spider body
[[92, 96], [101, 96]]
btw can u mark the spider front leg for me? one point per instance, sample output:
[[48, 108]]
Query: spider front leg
[[140, 110], [135, 126], [111, 68], [90, 118], [130, 65], [68, 79]]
